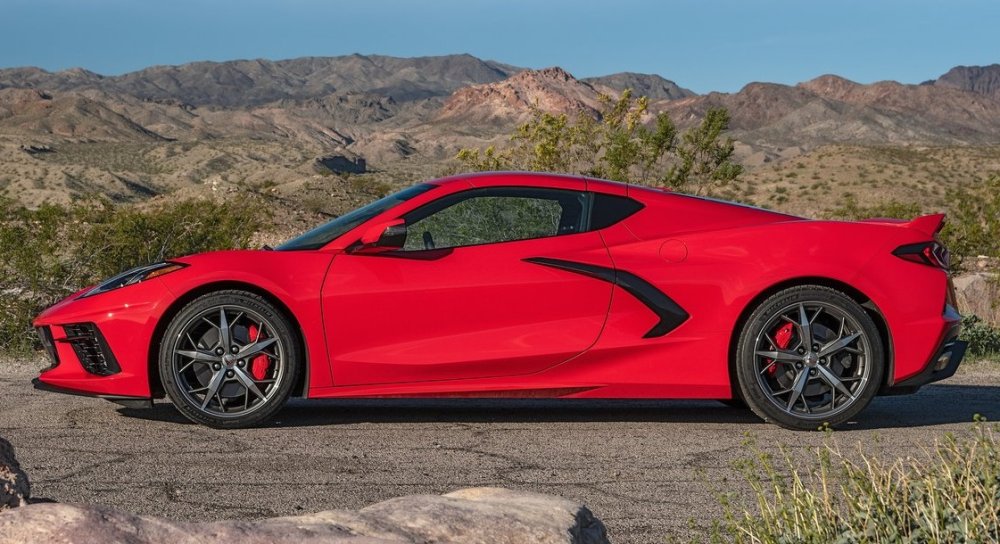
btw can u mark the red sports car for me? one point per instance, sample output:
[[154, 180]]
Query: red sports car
[[526, 285]]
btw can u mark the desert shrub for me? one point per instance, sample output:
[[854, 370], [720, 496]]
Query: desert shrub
[[950, 494], [973, 226], [851, 210], [16, 312], [983, 338], [117, 238], [617, 144], [52, 251]]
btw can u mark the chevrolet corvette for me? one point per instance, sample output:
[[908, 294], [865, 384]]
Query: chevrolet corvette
[[526, 285]]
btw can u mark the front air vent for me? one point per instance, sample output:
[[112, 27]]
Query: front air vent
[[91, 349], [45, 337]]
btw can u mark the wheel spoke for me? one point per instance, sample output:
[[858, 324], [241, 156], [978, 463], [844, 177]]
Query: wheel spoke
[[247, 382], [255, 348], [839, 344], [805, 327], [797, 389], [834, 381], [224, 329], [780, 355], [191, 340], [213, 388], [199, 356]]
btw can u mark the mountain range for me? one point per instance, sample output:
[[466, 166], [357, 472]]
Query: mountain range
[[421, 110]]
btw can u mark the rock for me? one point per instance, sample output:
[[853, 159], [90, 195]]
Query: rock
[[341, 164], [468, 516], [15, 490], [979, 293], [36, 149]]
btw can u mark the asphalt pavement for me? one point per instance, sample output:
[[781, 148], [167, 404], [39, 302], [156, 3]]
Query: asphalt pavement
[[647, 469]]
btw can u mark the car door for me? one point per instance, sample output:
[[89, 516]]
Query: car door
[[462, 299]]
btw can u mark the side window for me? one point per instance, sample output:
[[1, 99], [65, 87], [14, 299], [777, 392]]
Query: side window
[[492, 215], [610, 209]]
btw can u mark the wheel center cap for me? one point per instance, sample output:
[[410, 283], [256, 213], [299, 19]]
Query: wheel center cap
[[811, 359], [228, 359]]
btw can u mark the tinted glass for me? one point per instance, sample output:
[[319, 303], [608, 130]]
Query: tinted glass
[[610, 209], [326, 233], [486, 216]]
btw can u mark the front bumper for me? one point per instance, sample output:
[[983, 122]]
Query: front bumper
[[130, 402], [100, 345]]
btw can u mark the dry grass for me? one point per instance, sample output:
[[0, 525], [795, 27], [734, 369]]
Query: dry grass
[[947, 494], [821, 179]]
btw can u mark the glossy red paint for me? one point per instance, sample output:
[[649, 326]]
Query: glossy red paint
[[485, 321]]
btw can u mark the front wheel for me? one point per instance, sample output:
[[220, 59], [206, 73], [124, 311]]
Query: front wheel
[[229, 359], [809, 356]]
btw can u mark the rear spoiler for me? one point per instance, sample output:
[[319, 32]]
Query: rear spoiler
[[927, 224]]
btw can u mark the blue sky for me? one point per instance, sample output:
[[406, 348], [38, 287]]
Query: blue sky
[[703, 45]]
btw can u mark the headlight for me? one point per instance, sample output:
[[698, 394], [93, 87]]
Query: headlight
[[134, 276]]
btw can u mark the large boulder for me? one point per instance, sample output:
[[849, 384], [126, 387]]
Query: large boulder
[[979, 293], [14, 487], [480, 515]]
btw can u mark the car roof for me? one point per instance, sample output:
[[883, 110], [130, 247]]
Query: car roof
[[501, 177]]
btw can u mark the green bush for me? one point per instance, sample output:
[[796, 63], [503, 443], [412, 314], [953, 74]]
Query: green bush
[[983, 338], [50, 252], [971, 228], [616, 144], [973, 225], [949, 495]]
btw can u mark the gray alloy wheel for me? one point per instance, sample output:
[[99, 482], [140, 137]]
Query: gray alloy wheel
[[807, 356], [229, 360]]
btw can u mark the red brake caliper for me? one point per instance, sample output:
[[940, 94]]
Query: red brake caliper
[[261, 364], [782, 337]]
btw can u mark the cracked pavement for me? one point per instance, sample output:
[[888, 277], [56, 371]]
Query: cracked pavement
[[645, 468]]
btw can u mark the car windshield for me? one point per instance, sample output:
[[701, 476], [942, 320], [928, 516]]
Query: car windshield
[[327, 232]]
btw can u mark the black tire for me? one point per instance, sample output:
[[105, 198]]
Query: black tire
[[845, 348], [194, 360]]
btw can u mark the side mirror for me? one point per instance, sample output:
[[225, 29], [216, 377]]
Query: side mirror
[[384, 236]]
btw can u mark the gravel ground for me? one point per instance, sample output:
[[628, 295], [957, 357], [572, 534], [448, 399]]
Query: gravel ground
[[646, 468]]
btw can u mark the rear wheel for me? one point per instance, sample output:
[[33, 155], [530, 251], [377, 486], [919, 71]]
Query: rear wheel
[[809, 355], [229, 360]]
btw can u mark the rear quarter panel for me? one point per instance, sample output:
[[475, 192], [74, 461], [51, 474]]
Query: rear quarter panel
[[734, 256]]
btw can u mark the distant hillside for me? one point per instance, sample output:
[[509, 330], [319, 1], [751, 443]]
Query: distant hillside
[[203, 125], [552, 89], [244, 83], [831, 109], [651, 85], [978, 79]]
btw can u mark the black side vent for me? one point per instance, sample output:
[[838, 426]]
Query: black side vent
[[91, 348], [45, 337]]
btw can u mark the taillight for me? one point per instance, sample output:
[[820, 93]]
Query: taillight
[[929, 253]]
